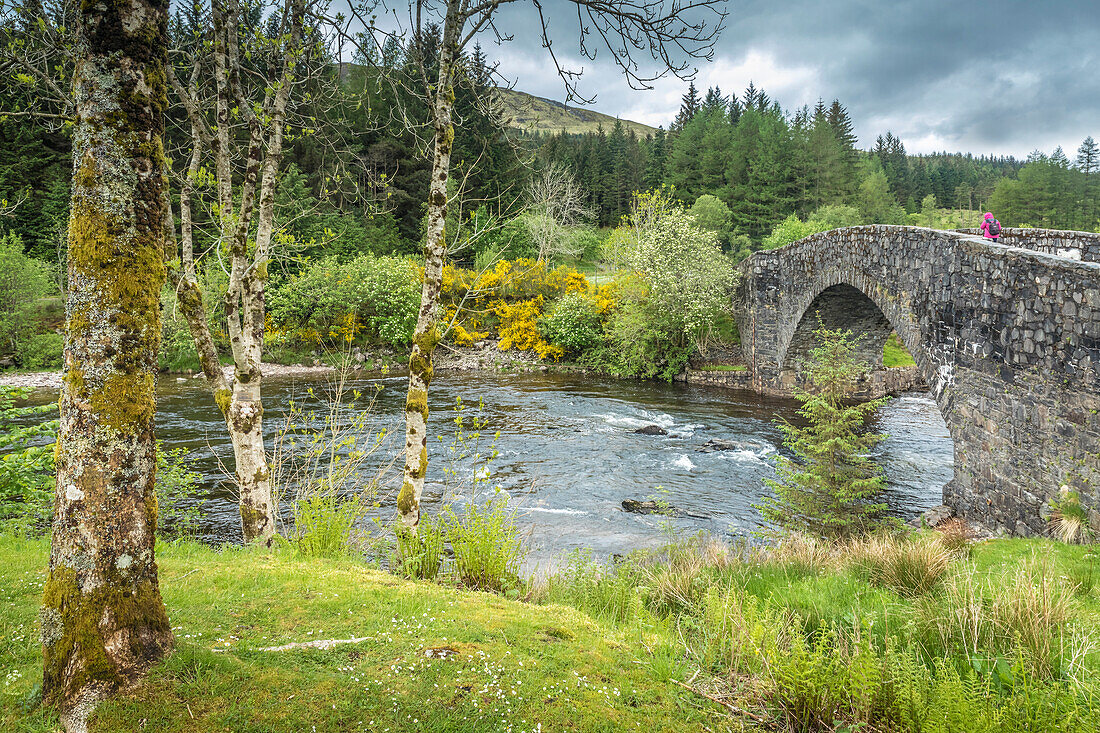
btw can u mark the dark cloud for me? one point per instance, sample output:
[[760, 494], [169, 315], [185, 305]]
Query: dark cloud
[[987, 77]]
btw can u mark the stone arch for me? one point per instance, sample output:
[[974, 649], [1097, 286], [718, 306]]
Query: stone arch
[[1007, 338], [859, 300], [874, 316], [839, 306]]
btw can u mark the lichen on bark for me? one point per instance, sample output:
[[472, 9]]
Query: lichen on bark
[[426, 333], [103, 621]]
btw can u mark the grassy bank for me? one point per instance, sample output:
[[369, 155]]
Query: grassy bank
[[497, 665], [997, 637]]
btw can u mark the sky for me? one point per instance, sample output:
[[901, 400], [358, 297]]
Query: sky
[[979, 76]]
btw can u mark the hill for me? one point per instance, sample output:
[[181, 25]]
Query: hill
[[536, 114]]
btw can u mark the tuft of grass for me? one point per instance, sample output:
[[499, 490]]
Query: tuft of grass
[[605, 592], [955, 536], [909, 567], [723, 368]]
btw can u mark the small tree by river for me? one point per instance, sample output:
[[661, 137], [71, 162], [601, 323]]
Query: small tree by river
[[830, 488]]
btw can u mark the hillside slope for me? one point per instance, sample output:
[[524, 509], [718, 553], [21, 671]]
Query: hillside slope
[[537, 114]]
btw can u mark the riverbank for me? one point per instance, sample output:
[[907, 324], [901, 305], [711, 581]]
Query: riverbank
[[424, 657], [51, 380], [711, 642]]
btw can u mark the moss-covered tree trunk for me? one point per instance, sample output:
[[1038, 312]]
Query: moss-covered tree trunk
[[426, 334], [103, 621]]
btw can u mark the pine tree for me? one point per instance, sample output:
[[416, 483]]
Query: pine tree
[[830, 180], [1088, 161], [1088, 156], [830, 490], [655, 162], [714, 100], [734, 111], [760, 173], [843, 129], [689, 107], [842, 125], [751, 97]]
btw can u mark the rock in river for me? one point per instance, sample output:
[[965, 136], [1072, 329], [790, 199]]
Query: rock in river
[[718, 444], [651, 430], [651, 507]]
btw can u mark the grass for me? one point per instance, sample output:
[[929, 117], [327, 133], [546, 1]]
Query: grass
[[895, 355], [997, 636], [889, 633], [494, 664]]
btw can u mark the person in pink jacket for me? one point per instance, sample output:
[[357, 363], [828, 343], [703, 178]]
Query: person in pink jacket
[[991, 228]]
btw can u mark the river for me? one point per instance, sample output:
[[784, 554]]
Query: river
[[568, 455]]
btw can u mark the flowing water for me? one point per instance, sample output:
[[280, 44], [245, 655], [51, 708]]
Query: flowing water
[[569, 456]]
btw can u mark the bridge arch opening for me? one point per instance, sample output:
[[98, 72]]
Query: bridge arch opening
[[839, 306], [844, 306]]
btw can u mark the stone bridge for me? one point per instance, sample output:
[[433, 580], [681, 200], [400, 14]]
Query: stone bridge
[[1007, 337]]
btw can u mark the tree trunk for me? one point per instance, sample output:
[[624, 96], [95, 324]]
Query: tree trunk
[[426, 335], [103, 621]]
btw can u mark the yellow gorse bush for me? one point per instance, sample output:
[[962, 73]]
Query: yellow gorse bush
[[510, 298]]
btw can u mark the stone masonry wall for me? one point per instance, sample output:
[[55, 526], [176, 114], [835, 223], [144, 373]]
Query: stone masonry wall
[[1007, 339], [892, 381], [1084, 246]]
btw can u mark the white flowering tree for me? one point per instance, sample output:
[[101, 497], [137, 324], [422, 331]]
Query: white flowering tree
[[688, 276], [681, 283]]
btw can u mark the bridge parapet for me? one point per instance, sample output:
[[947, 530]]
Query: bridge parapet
[[1007, 338], [1084, 246]]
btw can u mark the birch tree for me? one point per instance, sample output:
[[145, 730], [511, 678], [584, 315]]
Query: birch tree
[[245, 176], [669, 33], [103, 621], [238, 91], [556, 203]]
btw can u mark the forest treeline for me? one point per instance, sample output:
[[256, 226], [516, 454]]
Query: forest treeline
[[355, 175]]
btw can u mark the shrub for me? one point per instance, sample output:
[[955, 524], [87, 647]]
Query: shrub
[[787, 231], [510, 241], [26, 464], [23, 282], [834, 216], [177, 490], [323, 524], [587, 242], [488, 549], [823, 219], [321, 459], [42, 351], [678, 286], [509, 297], [711, 214], [376, 298], [573, 324]]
